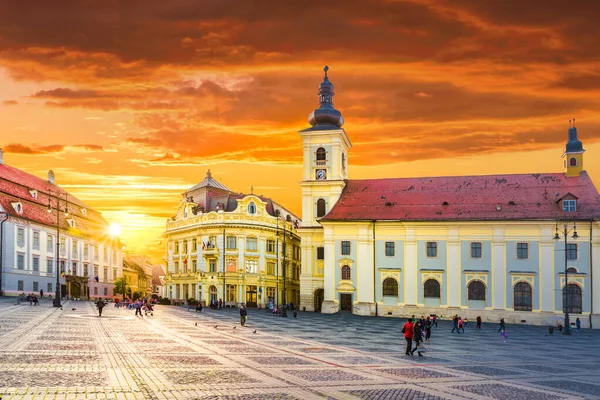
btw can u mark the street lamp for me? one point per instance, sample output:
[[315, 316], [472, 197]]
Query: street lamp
[[565, 232], [4, 216], [56, 301]]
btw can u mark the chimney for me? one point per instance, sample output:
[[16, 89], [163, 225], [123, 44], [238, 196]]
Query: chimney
[[1, 157], [51, 177]]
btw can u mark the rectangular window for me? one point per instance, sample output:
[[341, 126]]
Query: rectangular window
[[176, 247], [63, 246], [49, 266], [106, 291], [390, 249], [212, 242], [36, 286], [105, 276], [36, 264], [50, 244], [21, 237], [270, 246], [320, 253], [270, 268], [475, 250], [231, 292], [49, 288], [195, 245], [432, 249], [522, 251], [176, 267], [86, 251], [572, 251], [20, 286], [36, 240], [213, 265], [85, 270], [105, 253], [271, 292], [194, 265], [251, 244], [251, 266], [114, 276], [62, 266], [569, 205], [185, 247], [20, 261], [345, 247], [231, 242], [96, 255], [74, 249], [74, 268], [96, 291], [95, 272]]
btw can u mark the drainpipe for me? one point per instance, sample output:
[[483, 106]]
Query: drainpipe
[[1, 248], [374, 273], [591, 276]]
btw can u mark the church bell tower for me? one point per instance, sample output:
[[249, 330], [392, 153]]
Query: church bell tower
[[573, 152]]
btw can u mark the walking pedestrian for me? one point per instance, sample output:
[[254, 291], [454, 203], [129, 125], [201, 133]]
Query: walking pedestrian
[[407, 329], [455, 324], [578, 324], [41, 293], [478, 326], [427, 329], [417, 338], [100, 304], [138, 308], [461, 325], [243, 314], [434, 320], [502, 325]]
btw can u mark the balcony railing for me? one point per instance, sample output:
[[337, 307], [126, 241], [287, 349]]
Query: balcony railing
[[321, 162]]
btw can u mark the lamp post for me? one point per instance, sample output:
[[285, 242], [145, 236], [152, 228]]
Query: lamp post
[[223, 256], [284, 265], [277, 269], [56, 301], [565, 232], [4, 216]]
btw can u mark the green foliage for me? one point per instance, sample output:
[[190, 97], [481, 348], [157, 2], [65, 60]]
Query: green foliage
[[120, 286], [165, 302]]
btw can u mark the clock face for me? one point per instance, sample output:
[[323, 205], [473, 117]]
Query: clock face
[[321, 174]]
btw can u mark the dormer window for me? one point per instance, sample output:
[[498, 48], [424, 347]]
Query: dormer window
[[71, 222], [18, 207], [84, 212], [33, 193], [569, 205], [252, 208]]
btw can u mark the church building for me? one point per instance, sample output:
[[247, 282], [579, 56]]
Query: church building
[[522, 247]]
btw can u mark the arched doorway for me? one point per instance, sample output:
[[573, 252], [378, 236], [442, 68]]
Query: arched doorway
[[523, 297], [319, 296], [75, 290], [575, 295], [213, 293]]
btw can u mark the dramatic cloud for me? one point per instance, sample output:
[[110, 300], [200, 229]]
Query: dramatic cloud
[[57, 148]]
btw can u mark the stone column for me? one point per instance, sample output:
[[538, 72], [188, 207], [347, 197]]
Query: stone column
[[453, 283], [546, 273], [330, 302], [498, 274], [410, 268]]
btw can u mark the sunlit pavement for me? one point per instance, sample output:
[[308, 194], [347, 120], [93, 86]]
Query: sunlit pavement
[[48, 353]]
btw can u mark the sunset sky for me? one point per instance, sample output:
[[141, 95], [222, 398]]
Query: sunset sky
[[131, 102]]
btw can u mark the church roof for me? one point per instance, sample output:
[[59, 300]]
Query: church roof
[[17, 186], [466, 198], [209, 182]]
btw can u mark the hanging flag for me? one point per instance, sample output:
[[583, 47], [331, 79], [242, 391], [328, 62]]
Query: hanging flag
[[97, 279], [203, 246], [185, 260], [62, 274]]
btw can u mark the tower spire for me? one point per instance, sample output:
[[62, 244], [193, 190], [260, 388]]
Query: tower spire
[[573, 152], [326, 114]]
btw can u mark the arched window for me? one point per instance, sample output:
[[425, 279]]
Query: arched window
[[573, 292], [212, 291], [320, 208], [251, 208], [321, 154], [431, 289], [390, 287], [573, 162], [523, 297], [476, 290], [346, 273], [572, 270]]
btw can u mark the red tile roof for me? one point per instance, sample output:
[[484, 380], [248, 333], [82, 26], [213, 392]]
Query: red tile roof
[[471, 198], [15, 186]]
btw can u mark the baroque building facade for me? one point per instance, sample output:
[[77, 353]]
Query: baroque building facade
[[469, 245], [45, 229], [238, 248]]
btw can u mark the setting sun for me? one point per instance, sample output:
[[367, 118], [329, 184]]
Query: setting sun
[[114, 229]]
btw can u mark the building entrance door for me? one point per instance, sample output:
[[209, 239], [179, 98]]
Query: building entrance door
[[251, 296], [319, 295], [346, 302]]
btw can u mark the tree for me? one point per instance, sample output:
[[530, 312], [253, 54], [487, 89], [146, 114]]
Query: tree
[[120, 286]]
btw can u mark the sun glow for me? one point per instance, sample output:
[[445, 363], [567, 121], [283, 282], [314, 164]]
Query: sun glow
[[114, 229]]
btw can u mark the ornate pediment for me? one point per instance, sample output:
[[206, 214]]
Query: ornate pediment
[[346, 287]]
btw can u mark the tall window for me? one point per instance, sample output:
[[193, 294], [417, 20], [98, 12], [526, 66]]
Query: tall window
[[105, 254], [522, 251], [270, 246], [20, 286], [114, 275], [96, 255], [271, 292], [251, 266], [212, 265], [36, 264], [36, 286], [74, 270], [95, 271], [20, 261], [36, 240], [49, 287], [176, 247], [346, 273], [571, 251], [176, 267], [476, 290], [194, 244], [569, 205], [321, 154], [573, 162], [251, 244], [574, 294], [86, 251], [431, 289], [50, 244], [432, 249], [21, 237], [185, 246], [320, 253], [49, 266], [74, 249], [231, 292], [85, 270], [270, 268], [106, 291], [320, 208], [194, 265], [390, 287], [105, 276], [345, 247], [475, 250], [63, 246], [390, 249], [523, 297], [231, 242]]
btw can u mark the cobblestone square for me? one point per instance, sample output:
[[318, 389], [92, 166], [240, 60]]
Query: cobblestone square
[[48, 353]]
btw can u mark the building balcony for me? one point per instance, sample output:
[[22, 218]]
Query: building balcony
[[320, 162]]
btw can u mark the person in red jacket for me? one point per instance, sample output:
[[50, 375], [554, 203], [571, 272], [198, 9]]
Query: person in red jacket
[[407, 329]]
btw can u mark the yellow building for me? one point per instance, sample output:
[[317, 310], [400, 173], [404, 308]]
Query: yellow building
[[240, 248], [137, 271]]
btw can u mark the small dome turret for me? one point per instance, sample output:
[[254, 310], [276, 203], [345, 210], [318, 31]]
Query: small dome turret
[[326, 114], [574, 145]]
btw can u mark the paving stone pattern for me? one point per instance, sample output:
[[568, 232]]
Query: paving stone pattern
[[48, 353]]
